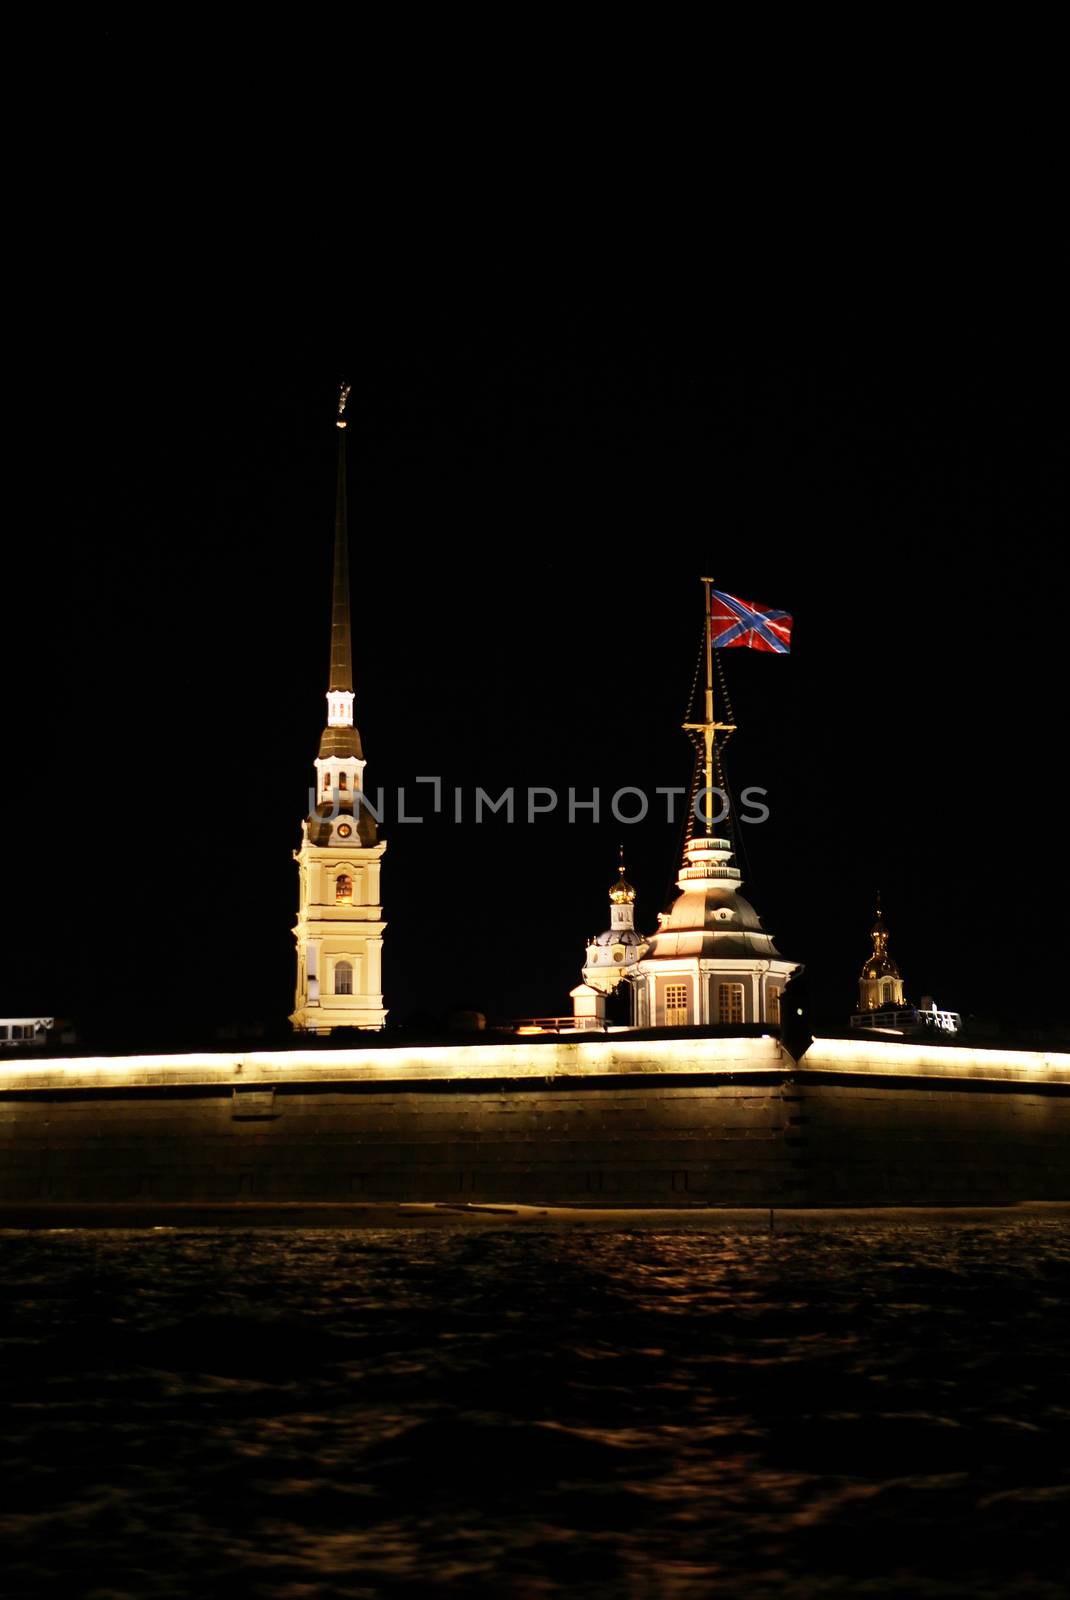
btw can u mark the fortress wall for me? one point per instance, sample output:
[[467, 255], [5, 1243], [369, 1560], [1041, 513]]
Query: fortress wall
[[570, 1143], [723, 1121], [915, 1123], [919, 1143]]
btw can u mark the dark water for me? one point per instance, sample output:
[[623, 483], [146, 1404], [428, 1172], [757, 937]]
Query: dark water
[[300, 1414]]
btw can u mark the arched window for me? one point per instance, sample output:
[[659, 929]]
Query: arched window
[[326, 782], [343, 887], [774, 1004], [343, 977], [343, 781], [888, 991]]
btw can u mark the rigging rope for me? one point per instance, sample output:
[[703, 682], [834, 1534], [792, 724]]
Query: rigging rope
[[722, 680], [688, 717]]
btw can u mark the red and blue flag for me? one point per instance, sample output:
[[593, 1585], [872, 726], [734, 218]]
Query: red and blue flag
[[742, 623]]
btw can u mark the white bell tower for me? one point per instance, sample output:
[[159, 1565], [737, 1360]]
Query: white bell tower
[[611, 957]]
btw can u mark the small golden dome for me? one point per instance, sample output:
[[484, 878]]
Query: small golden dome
[[622, 892]]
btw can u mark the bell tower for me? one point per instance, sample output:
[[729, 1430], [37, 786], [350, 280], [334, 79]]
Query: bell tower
[[340, 925]]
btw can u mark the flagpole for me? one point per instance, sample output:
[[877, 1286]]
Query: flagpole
[[708, 731], [709, 728]]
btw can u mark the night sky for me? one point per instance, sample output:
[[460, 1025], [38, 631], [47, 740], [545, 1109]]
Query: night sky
[[534, 495]]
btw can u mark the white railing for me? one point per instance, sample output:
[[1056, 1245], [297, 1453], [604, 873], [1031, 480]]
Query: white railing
[[23, 1030], [901, 1017], [553, 1024]]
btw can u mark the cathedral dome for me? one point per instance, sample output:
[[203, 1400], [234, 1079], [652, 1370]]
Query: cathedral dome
[[879, 964], [711, 922]]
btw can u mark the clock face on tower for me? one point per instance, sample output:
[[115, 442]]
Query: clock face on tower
[[344, 830]]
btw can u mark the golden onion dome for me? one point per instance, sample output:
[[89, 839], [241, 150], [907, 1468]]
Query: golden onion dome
[[880, 963], [622, 892]]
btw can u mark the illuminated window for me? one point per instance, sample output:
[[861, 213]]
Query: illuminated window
[[774, 1005], [730, 1003], [343, 781], [343, 888], [676, 1005], [343, 977], [326, 782]]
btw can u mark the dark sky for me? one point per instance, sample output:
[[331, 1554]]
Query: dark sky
[[535, 490]]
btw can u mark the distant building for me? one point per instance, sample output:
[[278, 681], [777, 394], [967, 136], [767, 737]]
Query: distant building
[[881, 1004], [881, 986], [340, 925], [24, 1030]]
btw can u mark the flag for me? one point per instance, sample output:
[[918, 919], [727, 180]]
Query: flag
[[742, 622]]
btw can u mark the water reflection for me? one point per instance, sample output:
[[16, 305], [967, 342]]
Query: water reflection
[[317, 1413]]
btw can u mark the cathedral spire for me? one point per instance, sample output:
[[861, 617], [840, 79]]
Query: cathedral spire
[[340, 737], [341, 638]]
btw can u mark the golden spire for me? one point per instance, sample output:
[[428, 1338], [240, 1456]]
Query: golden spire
[[879, 964]]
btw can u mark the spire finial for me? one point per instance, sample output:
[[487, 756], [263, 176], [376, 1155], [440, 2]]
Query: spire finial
[[341, 648]]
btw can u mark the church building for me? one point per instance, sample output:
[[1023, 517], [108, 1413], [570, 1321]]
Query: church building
[[340, 925], [710, 963], [612, 958], [881, 985]]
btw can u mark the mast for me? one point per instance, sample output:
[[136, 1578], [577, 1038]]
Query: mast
[[709, 727]]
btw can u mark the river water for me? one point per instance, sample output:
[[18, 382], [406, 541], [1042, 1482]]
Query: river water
[[540, 1410]]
